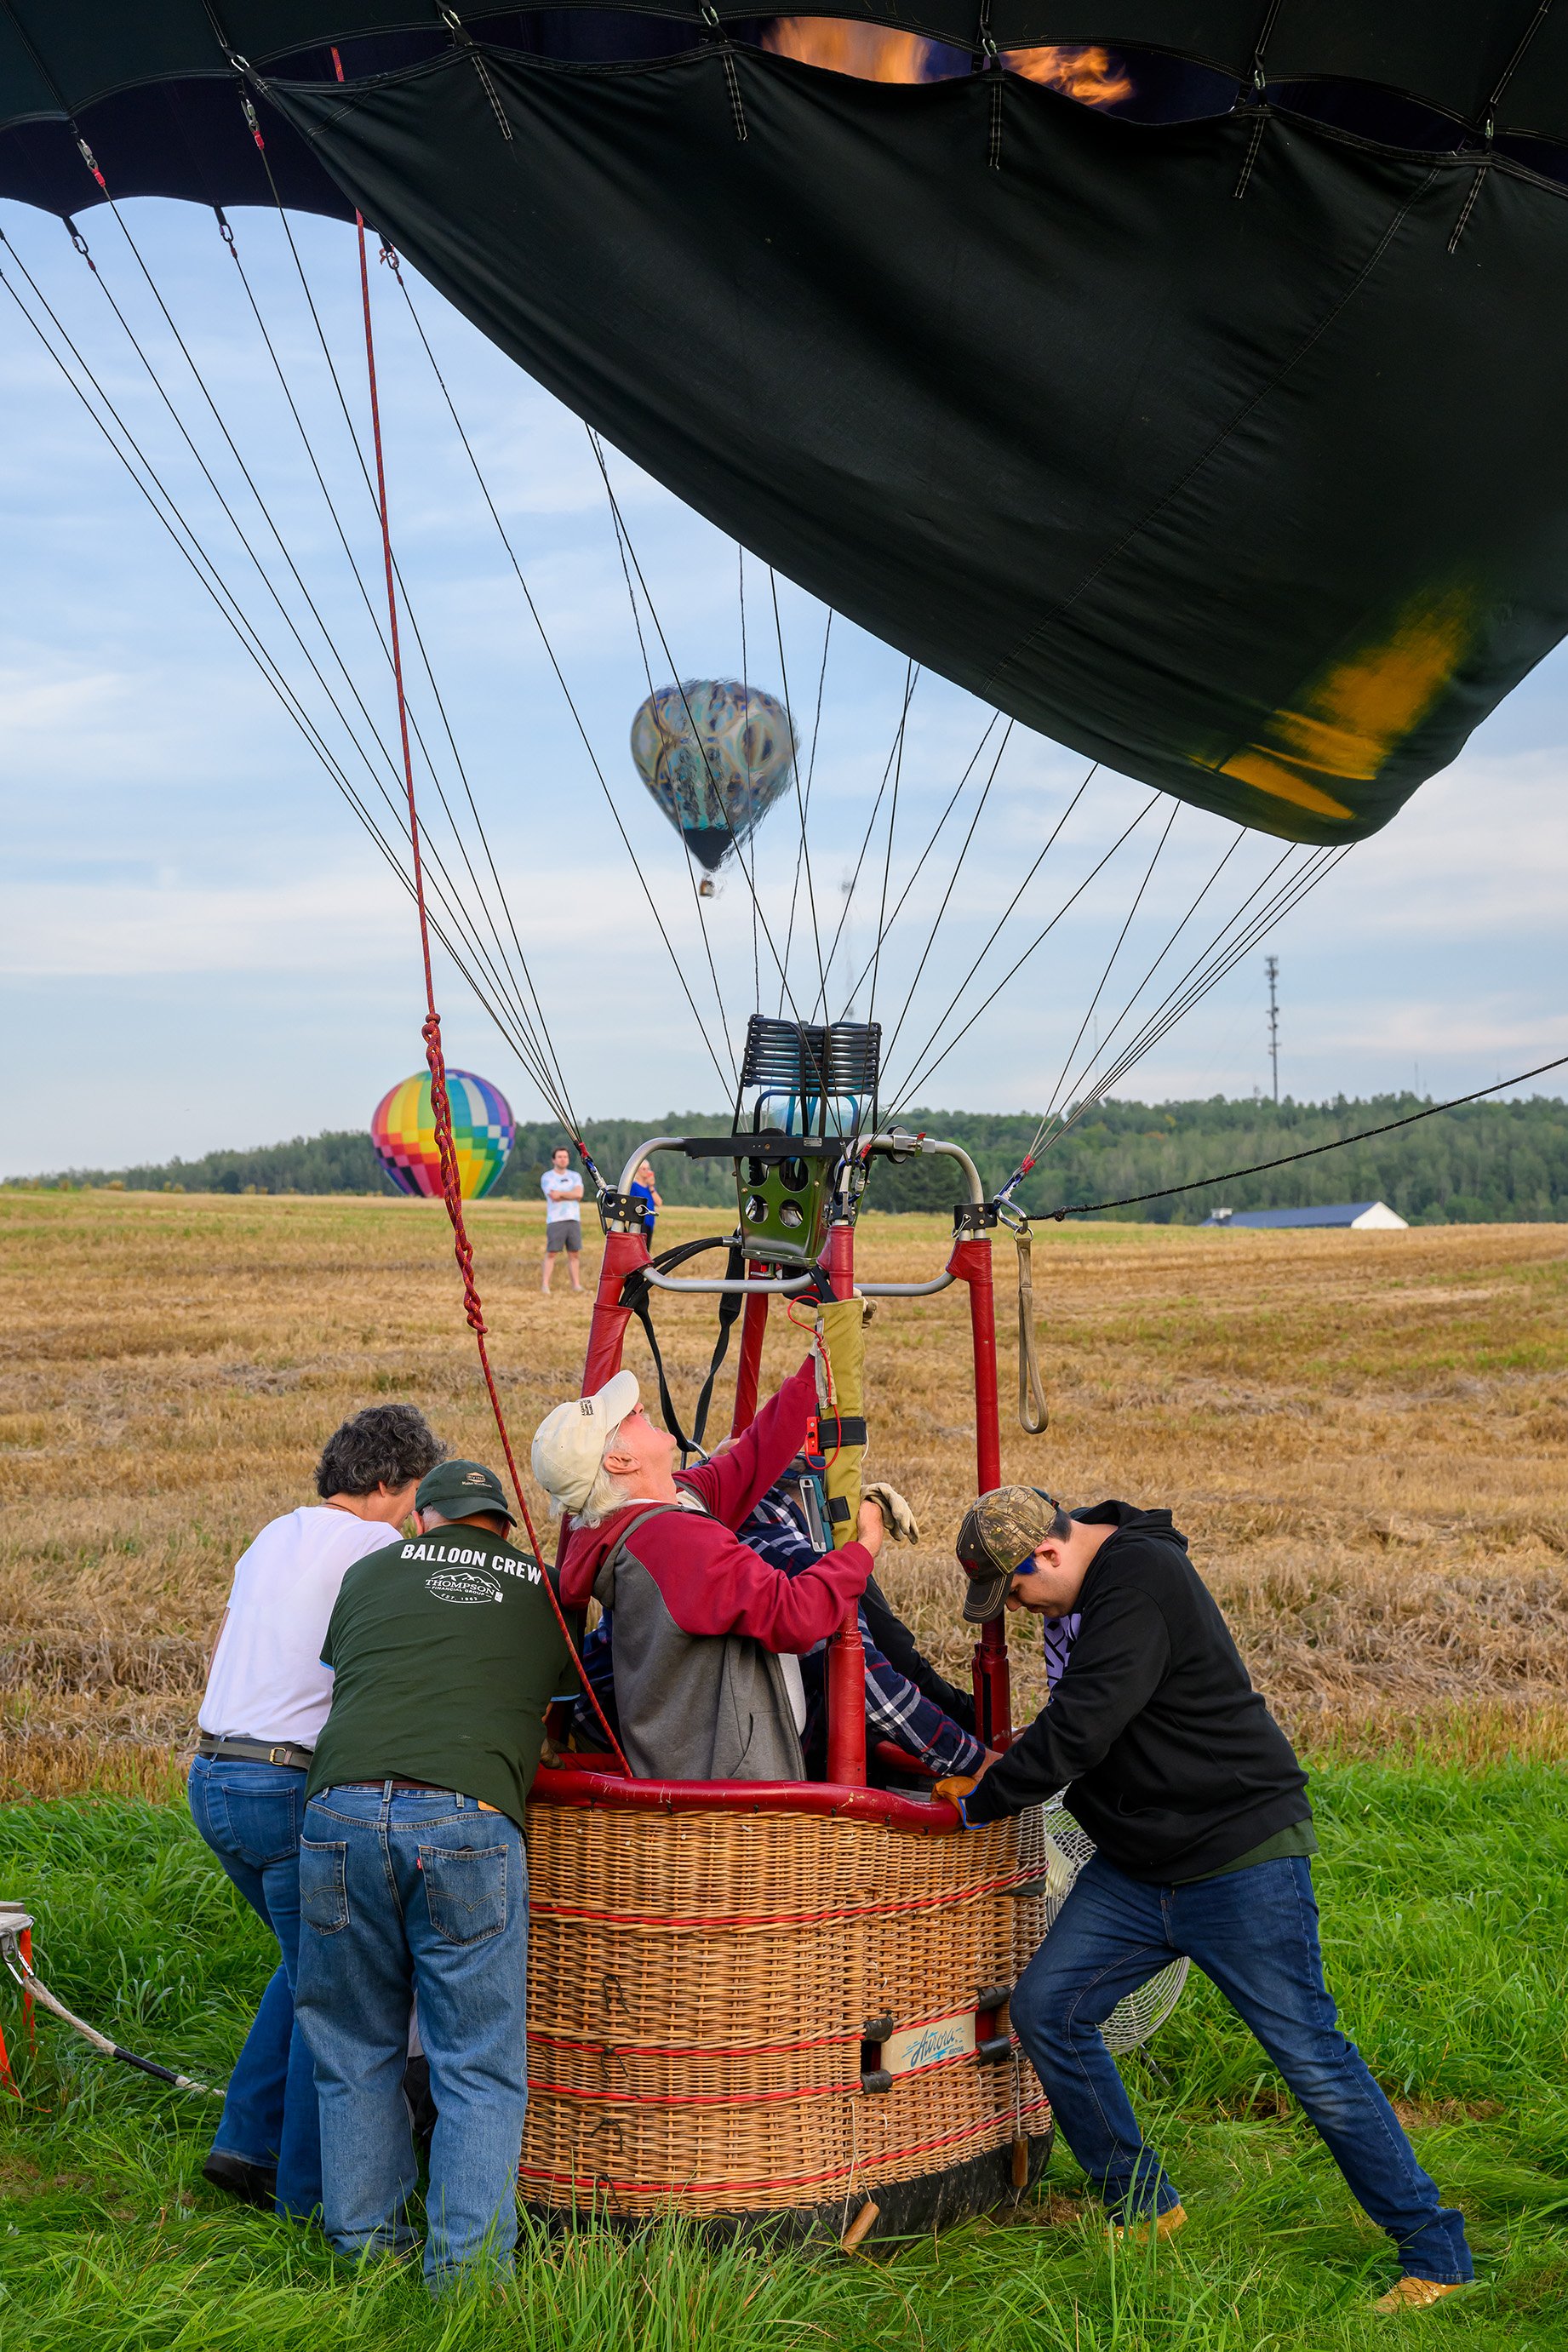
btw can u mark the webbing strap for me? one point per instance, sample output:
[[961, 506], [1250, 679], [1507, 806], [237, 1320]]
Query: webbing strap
[[636, 1294], [1033, 1411]]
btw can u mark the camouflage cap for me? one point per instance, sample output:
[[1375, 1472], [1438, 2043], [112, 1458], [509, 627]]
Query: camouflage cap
[[1000, 1535]]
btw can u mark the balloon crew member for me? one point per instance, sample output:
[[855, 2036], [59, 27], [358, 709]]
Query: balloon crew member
[[708, 1637], [1171, 1760], [412, 1875], [266, 1700]]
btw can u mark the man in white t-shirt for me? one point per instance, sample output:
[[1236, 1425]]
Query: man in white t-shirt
[[267, 1698], [562, 1190]]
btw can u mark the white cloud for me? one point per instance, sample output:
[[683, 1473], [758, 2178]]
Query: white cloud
[[320, 923]]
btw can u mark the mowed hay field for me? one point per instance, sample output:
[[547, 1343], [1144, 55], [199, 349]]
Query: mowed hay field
[[1365, 1436]]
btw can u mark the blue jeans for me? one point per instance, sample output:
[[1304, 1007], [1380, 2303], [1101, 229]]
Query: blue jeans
[[251, 1816], [406, 1893], [1254, 1934]]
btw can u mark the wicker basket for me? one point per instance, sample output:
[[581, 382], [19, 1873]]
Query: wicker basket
[[703, 1968]]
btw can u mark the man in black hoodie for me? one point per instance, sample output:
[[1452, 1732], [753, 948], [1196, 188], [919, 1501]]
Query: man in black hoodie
[[1171, 1762]]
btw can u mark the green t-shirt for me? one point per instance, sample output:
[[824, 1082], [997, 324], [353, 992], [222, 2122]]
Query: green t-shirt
[[429, 1682], [1300, 1838]]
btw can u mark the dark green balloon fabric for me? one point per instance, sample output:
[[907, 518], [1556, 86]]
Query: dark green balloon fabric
[[1195, 447]]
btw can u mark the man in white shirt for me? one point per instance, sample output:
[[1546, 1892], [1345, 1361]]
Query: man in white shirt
[[267, 1698], [562, 1190]]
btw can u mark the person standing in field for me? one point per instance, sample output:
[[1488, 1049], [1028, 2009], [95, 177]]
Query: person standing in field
[[1171, 1760], [563, 1190], [643, 1193], [266, 1700], [414, 1875]]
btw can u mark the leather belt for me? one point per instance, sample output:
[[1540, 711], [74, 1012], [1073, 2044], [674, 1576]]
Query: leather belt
[[256, 1751], [410, 1784]]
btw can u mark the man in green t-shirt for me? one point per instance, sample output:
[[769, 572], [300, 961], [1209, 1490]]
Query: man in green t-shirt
[[446, 1652]]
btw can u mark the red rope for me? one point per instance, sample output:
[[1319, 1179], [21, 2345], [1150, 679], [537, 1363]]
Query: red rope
[[451, 1182]]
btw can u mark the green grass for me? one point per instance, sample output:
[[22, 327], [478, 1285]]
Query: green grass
[[1445, 1920]]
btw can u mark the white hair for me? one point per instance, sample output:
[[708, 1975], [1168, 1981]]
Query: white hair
[[606, 1495]]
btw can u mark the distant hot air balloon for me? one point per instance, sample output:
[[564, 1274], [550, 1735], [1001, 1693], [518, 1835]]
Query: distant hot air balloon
[[715, 754], [404, 1133]]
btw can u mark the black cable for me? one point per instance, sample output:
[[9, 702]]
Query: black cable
[[1262, 1167]]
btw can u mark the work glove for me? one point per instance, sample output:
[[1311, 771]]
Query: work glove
[[955, 1789], [900, 1520]]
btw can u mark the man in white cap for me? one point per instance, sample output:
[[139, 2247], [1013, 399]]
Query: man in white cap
[[708, 1636]]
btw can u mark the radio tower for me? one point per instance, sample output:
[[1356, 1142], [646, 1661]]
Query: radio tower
[[1271, 964]]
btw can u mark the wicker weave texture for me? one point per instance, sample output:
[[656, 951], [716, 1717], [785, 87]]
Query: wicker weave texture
[[699, 1987]]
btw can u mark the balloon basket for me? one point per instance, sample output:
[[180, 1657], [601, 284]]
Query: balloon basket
[[768, 2006]]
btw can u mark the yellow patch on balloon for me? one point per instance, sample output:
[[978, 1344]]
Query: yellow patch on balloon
[[1360, 710]]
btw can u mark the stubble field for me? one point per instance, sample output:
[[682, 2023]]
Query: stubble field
[[1365, 1436]]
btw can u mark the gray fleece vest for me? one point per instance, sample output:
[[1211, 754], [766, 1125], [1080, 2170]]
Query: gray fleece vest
[[692, 1706]]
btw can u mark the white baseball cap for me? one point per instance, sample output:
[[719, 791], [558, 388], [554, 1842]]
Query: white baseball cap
[[569, 1444]]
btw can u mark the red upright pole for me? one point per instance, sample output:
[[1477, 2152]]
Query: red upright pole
[[846, 1654], [623, 1253], [971, 1262], [748, 1371]]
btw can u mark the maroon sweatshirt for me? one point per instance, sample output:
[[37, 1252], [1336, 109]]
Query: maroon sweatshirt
[[710, 1582]]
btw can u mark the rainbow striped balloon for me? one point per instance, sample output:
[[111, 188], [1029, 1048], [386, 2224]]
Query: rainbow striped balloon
[[404, 1134]]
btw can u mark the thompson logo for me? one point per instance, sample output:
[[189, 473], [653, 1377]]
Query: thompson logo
[[462, 1584]]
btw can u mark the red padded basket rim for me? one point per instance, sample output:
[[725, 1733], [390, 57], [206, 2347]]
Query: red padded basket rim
[[557, 1785]]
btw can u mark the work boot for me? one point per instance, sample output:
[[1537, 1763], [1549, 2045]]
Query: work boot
[[253, 2184], [1414, 2294], [1140, 2229]]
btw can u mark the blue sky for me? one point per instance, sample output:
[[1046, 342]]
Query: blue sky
[[203, 948]]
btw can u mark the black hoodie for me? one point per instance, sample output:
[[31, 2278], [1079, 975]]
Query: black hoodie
[[1168, 1757]]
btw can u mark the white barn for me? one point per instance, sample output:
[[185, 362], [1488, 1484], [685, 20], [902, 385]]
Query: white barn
[[1359, 1216]]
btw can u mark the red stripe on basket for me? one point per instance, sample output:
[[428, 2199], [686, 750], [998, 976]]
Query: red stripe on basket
[[641, 2098], [588, 2183], [581, 1913], [696, 2049]]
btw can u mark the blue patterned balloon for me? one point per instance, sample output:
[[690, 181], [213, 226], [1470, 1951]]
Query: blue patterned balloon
[[715, 755]]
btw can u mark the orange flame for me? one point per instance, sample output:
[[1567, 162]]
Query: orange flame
[[1085, 75], [840, 45]]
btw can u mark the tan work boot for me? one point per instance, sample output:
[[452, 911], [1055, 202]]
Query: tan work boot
[[1415, 2293], [1164, 2225]]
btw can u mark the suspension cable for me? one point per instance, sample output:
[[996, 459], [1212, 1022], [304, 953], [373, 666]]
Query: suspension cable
[[930, 1069], [166, 510], [802, 801], [912, 679], [596, 444], [805, 807], [451, 1182], [932, 840]]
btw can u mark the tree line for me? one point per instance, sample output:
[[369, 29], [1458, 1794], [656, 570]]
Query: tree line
[[1493, 1162]]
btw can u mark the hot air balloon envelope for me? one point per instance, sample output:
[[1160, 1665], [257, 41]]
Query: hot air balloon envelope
[[404, 1134], [715, 754]]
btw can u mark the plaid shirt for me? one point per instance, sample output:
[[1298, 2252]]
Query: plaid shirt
[[895, 1709]]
